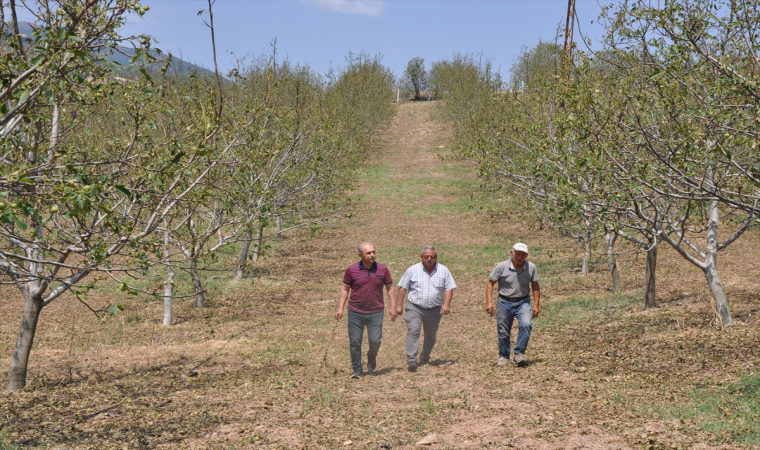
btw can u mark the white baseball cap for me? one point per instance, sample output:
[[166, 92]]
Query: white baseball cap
[[520, 247]]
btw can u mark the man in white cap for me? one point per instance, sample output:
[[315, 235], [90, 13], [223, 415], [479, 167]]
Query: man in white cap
[[516, 277]]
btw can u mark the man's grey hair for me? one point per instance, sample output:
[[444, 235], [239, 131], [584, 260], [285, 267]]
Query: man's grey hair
[[428, 247], [361, 252]]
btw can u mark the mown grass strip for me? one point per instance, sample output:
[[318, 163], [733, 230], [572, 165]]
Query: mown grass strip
[[585, 308], [731, 413]]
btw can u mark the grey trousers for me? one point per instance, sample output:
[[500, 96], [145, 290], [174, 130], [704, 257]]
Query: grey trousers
[[420, 318], [356, 323]]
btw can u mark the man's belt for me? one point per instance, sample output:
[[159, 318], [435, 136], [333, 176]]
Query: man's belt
[[514, 299], [422, 307]]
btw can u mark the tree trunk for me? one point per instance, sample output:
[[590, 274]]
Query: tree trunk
[[20, 359], [200, 298], [649, 279], [259, 239], [711, 269], [168, 295], [278, 227], [609, 239], [243, 260], [169, 286], [586, 252]]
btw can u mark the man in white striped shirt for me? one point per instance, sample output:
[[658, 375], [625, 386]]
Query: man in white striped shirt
[[431, 288]]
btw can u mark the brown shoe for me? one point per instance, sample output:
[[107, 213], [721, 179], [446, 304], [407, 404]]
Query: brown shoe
[[521, 360]]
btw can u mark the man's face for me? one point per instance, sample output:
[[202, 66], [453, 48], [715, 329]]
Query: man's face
[[429, 258], [367, 255], [518, 257]]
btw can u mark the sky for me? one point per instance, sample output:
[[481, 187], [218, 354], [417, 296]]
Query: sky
[[321, 33]]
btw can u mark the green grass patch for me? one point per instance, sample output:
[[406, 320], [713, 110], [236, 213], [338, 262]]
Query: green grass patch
[[5, 445], [731, 413], [586, 308], [458, 196]]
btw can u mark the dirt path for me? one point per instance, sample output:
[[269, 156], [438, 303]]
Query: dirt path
[[267, 366], [413, 198]]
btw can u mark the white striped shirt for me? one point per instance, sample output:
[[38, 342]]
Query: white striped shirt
[[426, 289]]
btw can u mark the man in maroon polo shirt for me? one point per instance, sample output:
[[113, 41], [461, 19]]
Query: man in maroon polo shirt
[[364, 282]]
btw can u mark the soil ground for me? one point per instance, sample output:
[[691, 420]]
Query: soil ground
[[267, 366]]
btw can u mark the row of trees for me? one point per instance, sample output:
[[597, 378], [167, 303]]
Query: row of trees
[[104, 176], [653, 138]]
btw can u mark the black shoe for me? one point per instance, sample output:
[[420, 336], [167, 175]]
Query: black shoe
[[357, 375], [412, 367], [371, 368], [424, 361]]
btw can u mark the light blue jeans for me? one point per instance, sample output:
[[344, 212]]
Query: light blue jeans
[[506, 311]]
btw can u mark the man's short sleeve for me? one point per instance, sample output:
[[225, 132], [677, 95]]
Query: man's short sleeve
[[496, 273], [534, 273], [450, 284], [347, 278], [387, 279], [405, 280]]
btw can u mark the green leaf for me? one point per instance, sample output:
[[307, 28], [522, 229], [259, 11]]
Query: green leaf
[[123, 190], [23, 96], [21, 224], [116, 308]]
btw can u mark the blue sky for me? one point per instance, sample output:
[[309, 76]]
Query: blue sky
[[322, 32]]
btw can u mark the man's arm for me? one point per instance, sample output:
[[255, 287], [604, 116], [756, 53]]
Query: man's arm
[[392, 294], [448, 294], [489, 296], [344, 291], [536, 298], [400, 294]]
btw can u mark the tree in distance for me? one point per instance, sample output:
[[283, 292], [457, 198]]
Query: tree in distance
[[415, 76]]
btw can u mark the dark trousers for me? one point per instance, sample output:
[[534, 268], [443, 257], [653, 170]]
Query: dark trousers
[[356, 323]]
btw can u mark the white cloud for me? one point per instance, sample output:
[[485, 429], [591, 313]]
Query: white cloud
[[373, 8]]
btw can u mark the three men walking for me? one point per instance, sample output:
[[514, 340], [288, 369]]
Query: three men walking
[[430, 287]]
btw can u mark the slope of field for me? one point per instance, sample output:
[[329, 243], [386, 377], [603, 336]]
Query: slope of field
[[267, 366]]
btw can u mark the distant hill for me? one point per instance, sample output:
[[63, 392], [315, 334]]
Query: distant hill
[[178, 65]]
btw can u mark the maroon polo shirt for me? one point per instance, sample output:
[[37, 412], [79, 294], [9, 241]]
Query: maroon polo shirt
[[367, 287]]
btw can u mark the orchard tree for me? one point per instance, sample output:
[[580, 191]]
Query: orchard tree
[[83, 187]]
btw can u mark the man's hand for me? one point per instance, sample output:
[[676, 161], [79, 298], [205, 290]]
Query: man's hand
[[489, 296], [445, 310], [339, 314], [535, 311], [392, 312]]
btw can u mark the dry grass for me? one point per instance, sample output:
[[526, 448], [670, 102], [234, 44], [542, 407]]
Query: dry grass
[[267, 367]]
